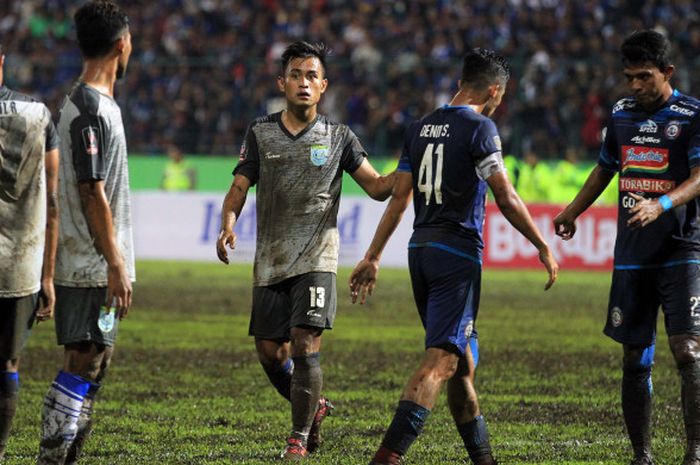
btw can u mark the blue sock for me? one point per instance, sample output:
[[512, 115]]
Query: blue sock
[[9, 383], [476, 437], [405, 427], [281, 377]]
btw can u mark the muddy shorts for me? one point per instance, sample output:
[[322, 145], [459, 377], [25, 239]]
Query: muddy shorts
[[80, 316], [307, 300], [16, 319]]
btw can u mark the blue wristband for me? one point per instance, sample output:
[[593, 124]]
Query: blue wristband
[[665, 202]]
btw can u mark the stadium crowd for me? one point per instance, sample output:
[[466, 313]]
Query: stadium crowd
[[202, 69]]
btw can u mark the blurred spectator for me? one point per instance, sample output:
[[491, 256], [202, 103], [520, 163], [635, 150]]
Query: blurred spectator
[[178, 174], [196, 73]]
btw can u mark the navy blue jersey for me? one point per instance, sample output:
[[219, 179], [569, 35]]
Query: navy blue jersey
[[450, 153], [653, 153]]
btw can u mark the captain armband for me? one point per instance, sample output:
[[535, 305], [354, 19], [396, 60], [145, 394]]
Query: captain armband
[[490, 165]]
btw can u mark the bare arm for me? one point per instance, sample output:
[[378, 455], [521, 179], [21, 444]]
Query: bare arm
[[364, 276], [646, 211], [231, 209], [377, 186], [597, 181], [517, 214], [99, 218], [47, 295]]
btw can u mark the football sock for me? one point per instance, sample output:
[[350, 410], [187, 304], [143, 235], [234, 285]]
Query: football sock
[[59, 418], [475, 436], [690, 400], [9, 393], [305, 392], [636, 406], [281, 377], [84, 425], [405, 427]]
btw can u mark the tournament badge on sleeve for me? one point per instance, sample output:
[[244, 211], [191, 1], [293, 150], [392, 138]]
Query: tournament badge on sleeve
[[319, 155]]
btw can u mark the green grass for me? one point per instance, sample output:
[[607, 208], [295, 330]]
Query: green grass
[[185, 387]]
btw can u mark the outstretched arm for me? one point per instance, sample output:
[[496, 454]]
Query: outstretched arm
[[364, 276], [515, 211], [647, 210], [597, 181], [47, 299], [377, 186], [231, 209]]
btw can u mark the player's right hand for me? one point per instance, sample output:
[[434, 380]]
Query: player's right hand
[[564, 226], [226, 237], [118, 289], [47, 301], [363, 279], [547, 259]]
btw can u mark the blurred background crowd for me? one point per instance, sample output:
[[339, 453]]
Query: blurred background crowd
[[201, 70]]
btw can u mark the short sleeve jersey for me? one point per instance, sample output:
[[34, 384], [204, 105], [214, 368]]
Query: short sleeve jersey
[[654, 153], [450, 153], [298, 181], [26, 134], [93, 148]]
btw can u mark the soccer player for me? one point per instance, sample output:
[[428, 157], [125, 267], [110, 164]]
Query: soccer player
[[95, 260], [296, 157], [28, 233], [652, 141], [449, 159]]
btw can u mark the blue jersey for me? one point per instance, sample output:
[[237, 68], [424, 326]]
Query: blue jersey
[[450, 153], [653, 153]]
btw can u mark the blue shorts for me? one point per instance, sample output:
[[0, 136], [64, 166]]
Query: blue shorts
[[446, 288], [635, 297]]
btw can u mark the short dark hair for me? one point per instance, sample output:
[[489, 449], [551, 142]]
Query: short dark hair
[[303, 49], [647, 46], [98, 25], [483, 68]]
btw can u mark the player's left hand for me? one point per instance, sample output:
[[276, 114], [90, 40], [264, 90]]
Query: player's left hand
[[644, 211], [550, 264], [363, 279], [47, 301]]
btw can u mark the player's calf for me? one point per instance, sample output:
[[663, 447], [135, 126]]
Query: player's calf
[[636, 398]]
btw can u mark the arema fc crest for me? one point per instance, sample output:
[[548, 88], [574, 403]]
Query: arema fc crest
[[319, 155]]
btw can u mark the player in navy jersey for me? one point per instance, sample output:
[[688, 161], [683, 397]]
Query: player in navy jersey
[[652, 142], [450, 158]]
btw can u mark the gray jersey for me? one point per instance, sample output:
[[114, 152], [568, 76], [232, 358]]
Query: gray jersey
[[298, 194], [26, 134], [93, 148]]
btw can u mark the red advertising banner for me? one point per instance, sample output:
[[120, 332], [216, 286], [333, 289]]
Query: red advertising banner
[[590, 249]]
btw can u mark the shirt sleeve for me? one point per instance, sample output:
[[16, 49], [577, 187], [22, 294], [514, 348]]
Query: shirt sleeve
[[353, 152], [88, 133], [405, 159], [694, 146], [52, 139], [609, 157], [486, 150], [249, 160]]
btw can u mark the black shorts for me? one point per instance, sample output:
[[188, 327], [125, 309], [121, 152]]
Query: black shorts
[[635, 297], [78, 313], [16, 319], [305, 300]]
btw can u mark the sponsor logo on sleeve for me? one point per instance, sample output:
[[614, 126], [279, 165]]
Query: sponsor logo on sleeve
[[644, 159], [660, 186], [90, 141], [318, 155], [242, 153], [673, 130]]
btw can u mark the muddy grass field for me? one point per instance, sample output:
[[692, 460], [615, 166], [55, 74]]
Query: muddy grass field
[[185, 387]]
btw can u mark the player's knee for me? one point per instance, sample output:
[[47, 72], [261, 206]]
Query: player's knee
[[11, 365], [685, 349], [638, 359]]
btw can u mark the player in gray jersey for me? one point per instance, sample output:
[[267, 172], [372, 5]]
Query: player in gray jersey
[[297, 158], [95, 261], [28, 233]]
